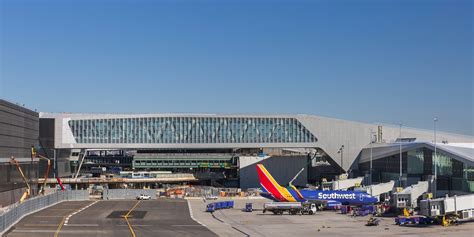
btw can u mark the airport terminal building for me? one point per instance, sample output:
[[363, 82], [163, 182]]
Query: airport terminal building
[[222, 149], [19, 129]]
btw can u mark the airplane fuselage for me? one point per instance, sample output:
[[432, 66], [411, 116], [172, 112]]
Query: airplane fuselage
[[274, 191], [342, 197]]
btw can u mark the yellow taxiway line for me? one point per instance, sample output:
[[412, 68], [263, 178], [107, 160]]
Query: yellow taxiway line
[[66, 217], [56, 234], [128, 222]]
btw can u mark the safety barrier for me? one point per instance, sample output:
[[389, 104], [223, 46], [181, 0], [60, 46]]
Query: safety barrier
[[112, 194], [16, 212]]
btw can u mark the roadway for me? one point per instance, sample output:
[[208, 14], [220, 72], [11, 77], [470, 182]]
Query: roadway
[[163, 217]]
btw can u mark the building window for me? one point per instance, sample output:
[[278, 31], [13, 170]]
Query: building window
[[191, 130], [415, 161]]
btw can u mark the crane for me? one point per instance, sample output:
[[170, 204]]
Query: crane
[[27, 192], [46, 174], [34, 154]]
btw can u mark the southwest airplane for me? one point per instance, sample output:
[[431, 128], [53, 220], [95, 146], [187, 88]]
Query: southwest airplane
[[272, 190]]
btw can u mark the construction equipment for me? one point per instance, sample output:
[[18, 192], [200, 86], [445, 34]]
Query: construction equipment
[[34, 154], [27, 192], [82, 157]]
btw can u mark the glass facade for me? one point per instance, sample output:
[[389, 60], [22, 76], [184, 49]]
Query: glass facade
[[417, 164], [415, 161], [182, 163], [165, 130], [444, 164]]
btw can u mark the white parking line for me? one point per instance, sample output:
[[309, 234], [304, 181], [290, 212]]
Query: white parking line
[[191, 214], [84, 225], [74, 213], [185, 225]]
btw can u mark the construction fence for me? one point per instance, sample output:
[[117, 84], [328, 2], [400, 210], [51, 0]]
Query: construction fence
[[112, 194], [176, 192], [206, 191], [14, 213]]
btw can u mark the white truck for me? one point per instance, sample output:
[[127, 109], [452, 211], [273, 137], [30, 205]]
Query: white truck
[[455, 207], [293, 208], [143, 197]]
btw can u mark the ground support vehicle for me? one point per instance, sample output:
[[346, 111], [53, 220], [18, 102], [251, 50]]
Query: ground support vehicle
[[373, 221], [143, 197], [211, 197], [211, 207], [414, 220], [293, 208], [248, 207], [364, 210]]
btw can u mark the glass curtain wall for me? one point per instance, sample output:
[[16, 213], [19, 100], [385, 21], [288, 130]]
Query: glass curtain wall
[[190, 130], [415, 161]]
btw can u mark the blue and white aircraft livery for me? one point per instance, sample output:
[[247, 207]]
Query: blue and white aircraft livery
[[272, 190]]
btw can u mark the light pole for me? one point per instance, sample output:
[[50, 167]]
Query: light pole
[[54, 164], [401, 159], [341, 151], [435, 159], [371, 141]]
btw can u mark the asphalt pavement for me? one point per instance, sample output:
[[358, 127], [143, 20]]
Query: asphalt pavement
[[162, 217]]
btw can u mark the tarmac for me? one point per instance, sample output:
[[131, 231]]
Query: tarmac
[[235, 222], [163, 217], [177, 217]]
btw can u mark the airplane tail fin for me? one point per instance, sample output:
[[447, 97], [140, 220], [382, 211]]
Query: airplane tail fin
[[268, 183], [265, 178]]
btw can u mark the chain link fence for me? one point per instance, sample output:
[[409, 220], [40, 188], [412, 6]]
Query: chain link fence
[[112, 194], [15, 212]]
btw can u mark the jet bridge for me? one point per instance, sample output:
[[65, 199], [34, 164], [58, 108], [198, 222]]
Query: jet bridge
[[378, 189], [462, 207], [408, 197], [343, 184]]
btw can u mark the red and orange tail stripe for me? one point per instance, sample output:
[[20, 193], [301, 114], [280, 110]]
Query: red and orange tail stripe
[[269, 183]]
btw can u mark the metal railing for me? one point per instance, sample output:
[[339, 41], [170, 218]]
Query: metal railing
[[14, 213], [184, 155]]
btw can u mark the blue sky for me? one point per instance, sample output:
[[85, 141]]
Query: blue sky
[[369, 61]]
